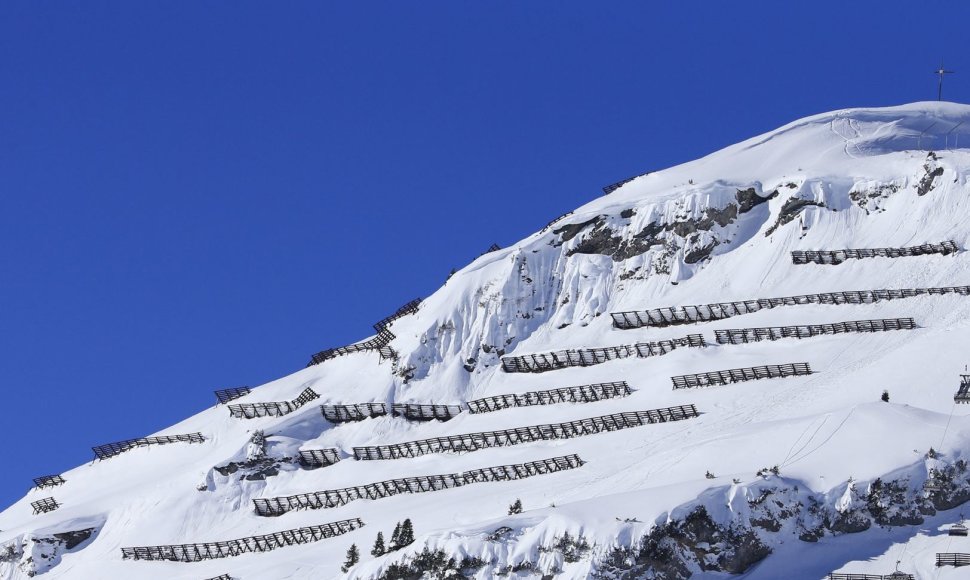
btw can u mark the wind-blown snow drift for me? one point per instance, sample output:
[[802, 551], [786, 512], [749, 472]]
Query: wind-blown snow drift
[[717, 229]]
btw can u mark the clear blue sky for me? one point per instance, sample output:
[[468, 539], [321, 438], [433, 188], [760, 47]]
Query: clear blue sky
[[195, 195]]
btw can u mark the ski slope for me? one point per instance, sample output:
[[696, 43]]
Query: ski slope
[[857, 178]]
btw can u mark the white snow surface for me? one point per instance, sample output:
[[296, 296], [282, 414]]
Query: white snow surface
[[535, 296]]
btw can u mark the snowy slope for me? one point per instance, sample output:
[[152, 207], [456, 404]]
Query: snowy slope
[[717, 229]]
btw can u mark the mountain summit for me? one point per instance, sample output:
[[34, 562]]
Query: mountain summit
[[750, 362]]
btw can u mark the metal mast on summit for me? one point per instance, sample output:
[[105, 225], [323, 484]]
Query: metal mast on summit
[[941, 71]]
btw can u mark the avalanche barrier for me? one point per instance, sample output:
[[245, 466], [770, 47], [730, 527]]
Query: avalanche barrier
[[314, 458], [48, 481], [226, 395], [737, 375], [118, 447], [409, 411], [229, 548], [48, 504], [835, 257], [275, 506], [222, 577], [379, 343], [506, 437], [556, 221], [952, 559], [743, 335], [579, 394], [893, 576], [550, 361], [675, 315], [272, 409]]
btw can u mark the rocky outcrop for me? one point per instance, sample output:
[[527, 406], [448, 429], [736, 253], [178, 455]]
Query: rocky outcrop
[[34, 554]]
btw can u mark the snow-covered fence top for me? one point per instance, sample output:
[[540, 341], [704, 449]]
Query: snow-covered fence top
[[952, 559], [505, 437], [319, 457], [839, 256], [275, 506], [737, 375], [226, 395], [614, 186], [963, 393], [112, 449], [47, 504], [226, 549], [492, 248], [409, 411], [272, 409], [675, 315], [584, 357], [48, 481], [556, 221], [893, 576], [743, 335], [578, 394]]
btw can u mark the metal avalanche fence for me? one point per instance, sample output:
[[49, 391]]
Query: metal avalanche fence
[[275, 506], [744, 335], [676, 315], [550, 361], [506, 437], [111, 449], [229, 548], [272, 409], [738, 375], [577, 394], [834, 257]]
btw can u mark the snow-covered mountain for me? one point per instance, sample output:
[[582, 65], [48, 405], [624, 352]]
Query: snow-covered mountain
[[790, 477]]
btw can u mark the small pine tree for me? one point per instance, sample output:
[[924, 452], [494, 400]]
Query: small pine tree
[[353, 556], [709, 475], [378, 549], [406, 537], [516, 508], [395, 538], [885, 396]]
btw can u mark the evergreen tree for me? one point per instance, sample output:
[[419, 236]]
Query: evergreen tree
[[353, 556], [407, 534], [516, 508], [395, 538], [379, 548], [885, 396]]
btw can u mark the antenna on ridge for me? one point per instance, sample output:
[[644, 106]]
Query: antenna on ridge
[[941, 71]]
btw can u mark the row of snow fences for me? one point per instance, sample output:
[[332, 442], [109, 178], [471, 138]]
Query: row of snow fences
[[744, 335], [584, 357], [275, 506], [556, 221], [893, 576], [272, 409], [118, 447], [963, 393], [579, 394], [952, 559], [737, 375], [506, 437], [383, 338], [378, 343], [48, 504], [409, 411], [48, 481], [313, 458], [839, 256], [229, 548], [226, 395], [614, 186], [222, 577], [409, 308], [672, 316], [492, 248]]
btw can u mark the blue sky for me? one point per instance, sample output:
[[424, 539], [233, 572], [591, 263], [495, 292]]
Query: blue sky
[[195, 195]]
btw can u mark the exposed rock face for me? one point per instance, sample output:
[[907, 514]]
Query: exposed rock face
[[932, 171], [792, 208], [35, 554]]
